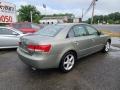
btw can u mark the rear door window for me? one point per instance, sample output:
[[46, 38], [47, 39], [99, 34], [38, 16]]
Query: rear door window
[[77, 31], [71, 34], [91, 31]]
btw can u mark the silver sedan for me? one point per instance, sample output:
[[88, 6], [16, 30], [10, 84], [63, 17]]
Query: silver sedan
[[9, 37], [60, 45]]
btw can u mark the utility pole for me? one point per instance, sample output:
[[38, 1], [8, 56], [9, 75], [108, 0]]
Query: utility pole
[[92, 19], [93, 11], [31, 16], [82, 15]]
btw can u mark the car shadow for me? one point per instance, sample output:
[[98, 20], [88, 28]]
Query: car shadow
[[87, 59], [8, 49], [3, 51], [42, 73]]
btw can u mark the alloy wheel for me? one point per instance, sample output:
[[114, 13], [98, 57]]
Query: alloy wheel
[[69, 62], [107, 46]]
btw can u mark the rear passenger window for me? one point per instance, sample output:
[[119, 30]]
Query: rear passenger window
[[71, 34], [91, 30], [79, 31]]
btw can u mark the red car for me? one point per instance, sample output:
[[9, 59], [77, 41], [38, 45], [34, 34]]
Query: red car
[[26, 27]]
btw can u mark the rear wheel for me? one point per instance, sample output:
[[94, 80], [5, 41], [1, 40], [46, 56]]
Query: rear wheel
[[106, 47], [67, 62]]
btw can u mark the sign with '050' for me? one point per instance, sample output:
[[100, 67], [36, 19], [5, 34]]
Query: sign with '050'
[[7, 12]]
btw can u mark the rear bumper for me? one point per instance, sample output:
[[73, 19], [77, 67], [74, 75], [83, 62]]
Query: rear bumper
[[38, 62]]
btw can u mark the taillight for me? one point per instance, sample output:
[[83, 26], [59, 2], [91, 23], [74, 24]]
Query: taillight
[[42, 48]]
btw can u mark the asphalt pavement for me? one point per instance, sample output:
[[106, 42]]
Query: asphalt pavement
[[95, 72], [113, 27]]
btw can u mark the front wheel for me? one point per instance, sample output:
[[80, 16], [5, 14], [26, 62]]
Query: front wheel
[[67, 62], [106, 47]]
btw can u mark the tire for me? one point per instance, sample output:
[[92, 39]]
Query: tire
[[106, 47], [67, 62]]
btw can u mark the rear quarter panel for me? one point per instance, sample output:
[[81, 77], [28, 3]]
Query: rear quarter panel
[[60, 47], [105, 38]]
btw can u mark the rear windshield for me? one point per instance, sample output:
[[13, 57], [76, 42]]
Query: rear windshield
[[50, 30]]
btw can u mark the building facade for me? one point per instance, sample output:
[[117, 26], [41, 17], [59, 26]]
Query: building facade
[[59, 19], [55, 19]]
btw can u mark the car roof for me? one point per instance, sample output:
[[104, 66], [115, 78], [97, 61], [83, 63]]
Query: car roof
[[71, 24]]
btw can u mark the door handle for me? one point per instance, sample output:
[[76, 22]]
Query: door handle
[[76, 42], [93, 40]]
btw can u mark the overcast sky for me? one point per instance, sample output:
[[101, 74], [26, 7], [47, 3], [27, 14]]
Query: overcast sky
[[71, 6]]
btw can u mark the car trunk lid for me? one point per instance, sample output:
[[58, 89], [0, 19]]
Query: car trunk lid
[[34, 43]]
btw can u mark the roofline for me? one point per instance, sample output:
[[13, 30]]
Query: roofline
[[72, 24]]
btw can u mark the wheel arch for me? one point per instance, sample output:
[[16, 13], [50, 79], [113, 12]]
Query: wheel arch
[[62, 59], [69, 50], [109, 40]]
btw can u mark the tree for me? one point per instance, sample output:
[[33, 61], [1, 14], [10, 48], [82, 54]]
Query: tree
[[113, 18], [24, 14]]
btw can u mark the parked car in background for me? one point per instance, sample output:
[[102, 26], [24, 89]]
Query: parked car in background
[[26, 27], [42, 25], [60, 45], [9, 37]]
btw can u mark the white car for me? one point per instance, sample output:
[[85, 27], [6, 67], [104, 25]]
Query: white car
[[9, 37]]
